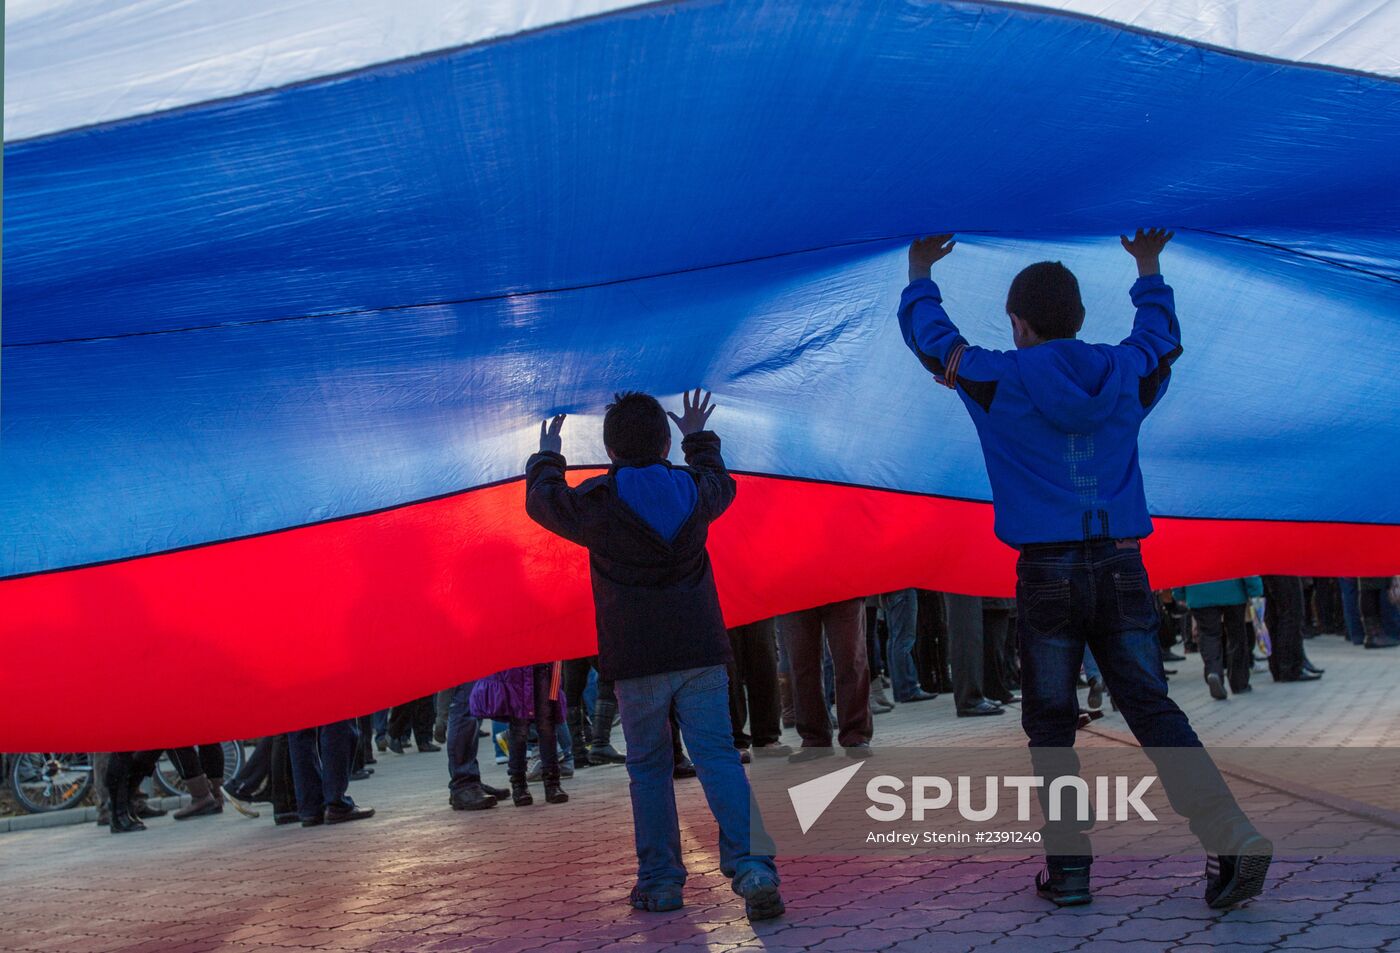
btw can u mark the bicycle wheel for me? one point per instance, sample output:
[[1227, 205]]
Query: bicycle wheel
[[45, 781], [168, 778]]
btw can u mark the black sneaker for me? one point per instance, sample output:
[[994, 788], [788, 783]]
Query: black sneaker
[[761, 898], [656, 901], [1234, 878], [471, 798], [1064, 886]]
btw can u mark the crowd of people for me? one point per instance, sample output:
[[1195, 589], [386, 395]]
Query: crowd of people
[[865, 657]]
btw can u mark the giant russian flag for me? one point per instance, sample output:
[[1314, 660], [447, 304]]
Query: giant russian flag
[[288, 287]]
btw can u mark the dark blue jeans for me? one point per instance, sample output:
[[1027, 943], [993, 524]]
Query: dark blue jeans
[[1097, 594], [321, 760], [463, 739]]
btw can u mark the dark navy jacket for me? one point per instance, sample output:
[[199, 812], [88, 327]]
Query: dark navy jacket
[[1059, 421], [645, 525]]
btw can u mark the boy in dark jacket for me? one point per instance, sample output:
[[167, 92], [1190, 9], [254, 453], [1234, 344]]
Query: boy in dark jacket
[[1058, 421], [661, 635]]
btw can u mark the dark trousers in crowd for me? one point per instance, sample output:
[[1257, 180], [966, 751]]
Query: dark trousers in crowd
[[321, 761], [753, 684], [1000, 678], [416, 718], [1283, 616], [1351, 610], [843, 626], [1373, 605], [1097, 594], [581, 730], [364, 745], [192, 761], [931, 643], [1324, 602], [966, 654], [1225, 648], [463, 740], [902, 620], [545, 713], [281, 786]]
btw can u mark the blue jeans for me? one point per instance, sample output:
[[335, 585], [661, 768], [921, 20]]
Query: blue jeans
[[902, 617], [321, 759], [1097, 594], [1091, 665], [381, 723], [463, 740], [701, 700], [1351, 611]]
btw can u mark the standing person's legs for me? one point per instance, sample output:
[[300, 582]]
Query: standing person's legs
[[700, 702], [1239, 649], [1051, 635], [283, 790], [400, 725], [463, 744], [1351, 610], [575, 675], [1210, 634], [996, 626], [844, 623], [902, 616], [544, 686], [645, 704], [964, 614], [761, 683], [337, 741], [306, 775], [381, 728], [738, 703], [1284, 616], [424, 713], [802, 634], [100, 762]]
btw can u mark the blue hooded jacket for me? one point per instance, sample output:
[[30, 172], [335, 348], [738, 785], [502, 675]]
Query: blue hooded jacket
[[1059, 421]]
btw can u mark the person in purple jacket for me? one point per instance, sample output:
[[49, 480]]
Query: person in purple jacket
[[661, 634], [521, 695], [1058, 419]]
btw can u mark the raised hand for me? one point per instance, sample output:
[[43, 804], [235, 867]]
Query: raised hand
[[1146, 247], [696, 412], [927, 250], [550, 441]]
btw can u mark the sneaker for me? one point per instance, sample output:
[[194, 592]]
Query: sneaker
[[381, 742], [535, 771], [1064, 886], [1216, 686], [1234, 878], [658, 900], [762, 901], [471, 798]]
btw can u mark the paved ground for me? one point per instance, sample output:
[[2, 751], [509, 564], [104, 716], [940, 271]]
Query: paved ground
[[423, 877]]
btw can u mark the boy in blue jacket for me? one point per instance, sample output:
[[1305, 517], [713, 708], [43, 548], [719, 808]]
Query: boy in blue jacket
[[1058, 420], [661, 635]]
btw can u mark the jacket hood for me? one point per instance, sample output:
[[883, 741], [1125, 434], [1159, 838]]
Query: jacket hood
[[1072, 383]]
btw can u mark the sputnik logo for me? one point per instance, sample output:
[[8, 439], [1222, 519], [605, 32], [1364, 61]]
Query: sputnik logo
[[810, 799]]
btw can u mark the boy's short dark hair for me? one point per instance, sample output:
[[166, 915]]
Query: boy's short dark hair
[[1046, 297], [635, 427]]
